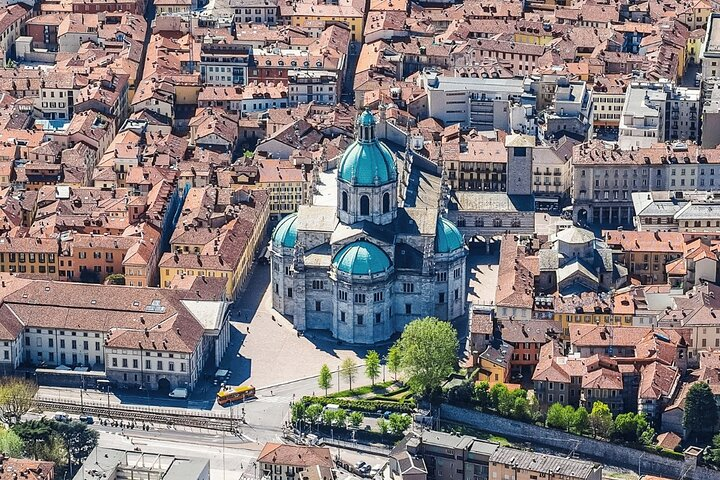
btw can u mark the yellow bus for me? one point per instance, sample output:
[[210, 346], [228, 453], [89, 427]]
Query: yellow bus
[[235, 394]]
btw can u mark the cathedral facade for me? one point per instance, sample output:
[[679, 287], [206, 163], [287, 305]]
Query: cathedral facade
[[382, 257]]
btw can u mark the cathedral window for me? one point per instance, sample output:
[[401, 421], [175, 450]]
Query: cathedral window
[[364, 205], [318, 285], [378, 317], [441, 297], [408, 287], [342, 317], [344, 201], [378, 296], [360, 319], [386, 202], [359, 298], [408, 308], [342, 295]]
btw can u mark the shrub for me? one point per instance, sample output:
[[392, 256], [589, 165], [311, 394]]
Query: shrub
[[362, 405]]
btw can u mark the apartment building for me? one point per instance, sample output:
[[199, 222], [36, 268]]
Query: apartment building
[[524, 465], [710, 56], [313, 86], [659, 112], [37, 257], [224, 64], [287, 185], [91, 258], [608, 100], [473, 162], [646, 254], [12, 18], [686, 212], [570, 112], [288, 462], [480, 103], [349, 12], [605, 177], [142, 337]]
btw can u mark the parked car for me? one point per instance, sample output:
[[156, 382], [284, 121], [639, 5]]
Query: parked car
[[386, 415], [61, 417], [179, 393], [86, 419]]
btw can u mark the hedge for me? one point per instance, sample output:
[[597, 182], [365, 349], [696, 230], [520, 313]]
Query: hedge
[[361, 405]]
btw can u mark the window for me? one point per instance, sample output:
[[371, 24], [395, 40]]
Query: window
[[408, 308], [378, 317], [386, 202], [318, 305], [408, 287], [159, 365], [289, 292], [147, 364], [344, 201], [135, 363], [124, 363], [378, 296], [318, 285], [342, 317], [360, 319], [114, 362], [342, 295], [364, 205], [359, 298], [441, 297]]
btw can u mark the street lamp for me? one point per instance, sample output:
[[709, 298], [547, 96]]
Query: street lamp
[[640, 458]]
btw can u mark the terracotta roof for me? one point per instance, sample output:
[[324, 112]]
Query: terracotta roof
[[516, 275], [296, 456]]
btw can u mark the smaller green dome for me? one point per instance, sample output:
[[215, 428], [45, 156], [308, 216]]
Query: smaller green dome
[[447, 237], [285, 233], [361, 258], [366, 119]]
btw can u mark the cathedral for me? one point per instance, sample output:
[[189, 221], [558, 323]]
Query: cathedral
[[380, 258]]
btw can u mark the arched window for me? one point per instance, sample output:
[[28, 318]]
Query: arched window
[[386, 202], [344, 202], [364, 205]]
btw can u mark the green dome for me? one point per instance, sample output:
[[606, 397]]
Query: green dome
[[367, 162], [361, 258], [285, 233], [447, 237]]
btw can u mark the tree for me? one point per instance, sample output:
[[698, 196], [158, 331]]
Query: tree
[[506, 402], [701, 412], [372, 366], [482, 394], [601, 421], [399, 423], [428, 353], [461, 394], [356, 418], [557, 416], [298, 412], [349, 370], [580, 421], [35, 434], [521, 409], [313, 413], [115, 279], [16, 397], [392, 361], [79, 440], [11, 444], [328, 417], [714, 455], [626, 426], [496, 392], [383, 425], [341, 418], [325, 378]]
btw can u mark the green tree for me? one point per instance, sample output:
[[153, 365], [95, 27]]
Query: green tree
[[557, 416], [356, 418], [115, 279], [372, 366], [398, 423], [349, 370], [482, 394], [625, 426], [35, 434], [328, 417], [325, 378], [11, 444], [392, 361], [16, 397], [383, 426], [298, 412], [506, 402], [313, 413], [79, 440], [428, 353], [714, 454], [341, 418], [521, 409], [701, 412], [580, 421], [601, 421], [461, 394], [496, 392]]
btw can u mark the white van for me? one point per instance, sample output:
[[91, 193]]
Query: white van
[[179, 393]]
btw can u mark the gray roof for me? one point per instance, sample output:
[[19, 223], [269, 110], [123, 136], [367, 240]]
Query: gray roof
[[491, 202], [315, 218], [699, 211], [168, 467], [543, 463], [575, 267], [575, 235]]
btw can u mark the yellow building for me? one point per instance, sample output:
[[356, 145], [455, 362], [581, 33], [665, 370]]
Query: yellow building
[[287, 185], [36, 256], [590, 308], [494, 363], [694, 45], [695, 15], [229, 254], [350, 12]]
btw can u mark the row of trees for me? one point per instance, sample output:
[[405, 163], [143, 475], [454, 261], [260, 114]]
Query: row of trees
[[348, 369], [426, 354], [630, 427], [316, 415]]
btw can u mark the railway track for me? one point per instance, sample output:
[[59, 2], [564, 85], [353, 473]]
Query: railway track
[[141, 414]]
